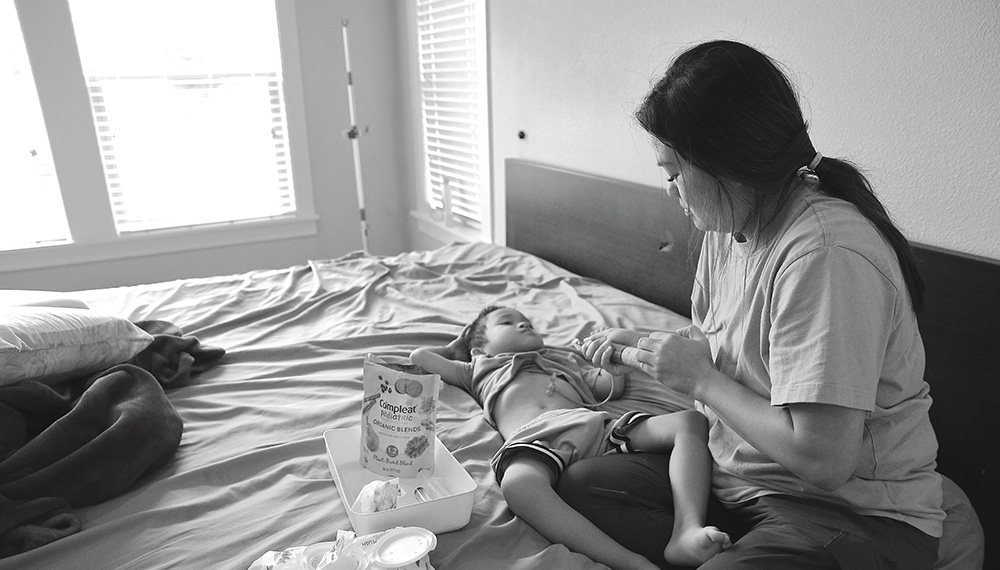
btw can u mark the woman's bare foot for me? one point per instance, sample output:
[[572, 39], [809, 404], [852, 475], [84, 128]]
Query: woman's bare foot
[[694, 546]]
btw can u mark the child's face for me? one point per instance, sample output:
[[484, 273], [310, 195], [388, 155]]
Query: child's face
[[507, 330]]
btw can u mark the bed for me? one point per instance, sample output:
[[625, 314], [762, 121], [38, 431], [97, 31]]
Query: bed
[[254, 368]]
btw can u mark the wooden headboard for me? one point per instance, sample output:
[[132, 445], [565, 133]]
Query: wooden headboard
[[611, 230], [630, 236]]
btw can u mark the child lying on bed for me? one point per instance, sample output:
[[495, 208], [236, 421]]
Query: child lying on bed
[[540, 398]]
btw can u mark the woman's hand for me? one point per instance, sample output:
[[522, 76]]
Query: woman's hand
[[820, 443], [679, 360]]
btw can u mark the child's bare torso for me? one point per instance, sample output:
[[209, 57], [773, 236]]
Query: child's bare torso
[[528, 396]]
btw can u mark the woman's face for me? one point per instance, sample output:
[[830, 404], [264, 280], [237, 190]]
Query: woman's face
[[697, 192]]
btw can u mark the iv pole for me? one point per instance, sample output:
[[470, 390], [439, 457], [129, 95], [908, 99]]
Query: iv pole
[[353, 134]]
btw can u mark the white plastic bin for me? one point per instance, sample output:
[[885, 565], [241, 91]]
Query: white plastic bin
[[449, 511]]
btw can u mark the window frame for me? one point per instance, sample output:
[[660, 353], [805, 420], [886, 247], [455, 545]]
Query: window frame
[[62, 90], [430, 221]]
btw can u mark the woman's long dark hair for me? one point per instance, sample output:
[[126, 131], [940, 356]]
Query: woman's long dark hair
[[728, 109]]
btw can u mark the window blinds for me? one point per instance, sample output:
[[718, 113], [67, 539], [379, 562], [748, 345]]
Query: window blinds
[[451, 51], [190, 116], [215, 151]]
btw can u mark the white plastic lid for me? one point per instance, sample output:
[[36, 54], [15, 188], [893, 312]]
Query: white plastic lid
[[403, 546]]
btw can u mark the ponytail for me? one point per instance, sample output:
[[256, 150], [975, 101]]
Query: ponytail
[[841, 179]]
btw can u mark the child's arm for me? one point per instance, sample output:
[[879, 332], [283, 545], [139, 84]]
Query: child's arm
[[616, 335], [612, 349], [446, 361], [607, 380]]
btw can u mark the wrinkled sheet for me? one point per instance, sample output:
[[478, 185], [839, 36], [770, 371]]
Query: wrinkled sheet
[[251, 472]]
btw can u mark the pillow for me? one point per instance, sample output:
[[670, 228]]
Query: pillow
[[17, 297], [52, 344]]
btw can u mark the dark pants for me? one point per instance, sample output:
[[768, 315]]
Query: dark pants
[[628, 496]]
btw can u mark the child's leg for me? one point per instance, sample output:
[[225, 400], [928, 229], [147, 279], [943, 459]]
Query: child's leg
[[527, 487], [685, 436]]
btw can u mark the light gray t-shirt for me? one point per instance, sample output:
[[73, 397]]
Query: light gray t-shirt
[[487, 376], [822, 316]]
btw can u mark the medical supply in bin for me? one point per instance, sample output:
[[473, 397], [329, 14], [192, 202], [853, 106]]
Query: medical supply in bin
[[401, 548]]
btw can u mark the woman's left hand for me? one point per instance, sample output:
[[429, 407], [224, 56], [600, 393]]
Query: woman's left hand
[[679, 360]]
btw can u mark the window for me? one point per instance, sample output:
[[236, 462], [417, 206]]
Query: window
[[190, 120], [25, 156], [451, 51], [168, 131]]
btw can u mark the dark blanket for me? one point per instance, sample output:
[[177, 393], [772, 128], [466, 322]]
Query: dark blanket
[[90, 440]]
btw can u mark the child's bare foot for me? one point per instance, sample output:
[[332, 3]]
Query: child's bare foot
[[691, 547]]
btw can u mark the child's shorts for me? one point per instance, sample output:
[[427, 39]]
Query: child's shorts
[[564, 437]]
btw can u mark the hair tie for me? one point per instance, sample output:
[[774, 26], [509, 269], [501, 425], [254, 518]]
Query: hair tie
[[808, 173], [815, 161]]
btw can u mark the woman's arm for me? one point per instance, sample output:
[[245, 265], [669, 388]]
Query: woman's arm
[[820, 443]]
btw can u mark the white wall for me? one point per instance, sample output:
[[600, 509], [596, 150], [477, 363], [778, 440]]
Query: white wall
[[908, 89], [375, 59]]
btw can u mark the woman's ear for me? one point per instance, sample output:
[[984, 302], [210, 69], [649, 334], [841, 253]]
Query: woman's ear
[[477, 351]]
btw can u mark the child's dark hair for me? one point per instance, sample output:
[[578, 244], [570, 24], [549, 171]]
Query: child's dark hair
[[475, 334]]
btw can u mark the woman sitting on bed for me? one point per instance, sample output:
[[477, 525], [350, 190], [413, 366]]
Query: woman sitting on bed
[[804, 352]]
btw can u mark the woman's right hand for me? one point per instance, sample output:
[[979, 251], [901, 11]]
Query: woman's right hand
[[678, 360]]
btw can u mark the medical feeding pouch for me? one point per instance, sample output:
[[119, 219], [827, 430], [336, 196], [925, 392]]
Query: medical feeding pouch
[[398, 415]]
